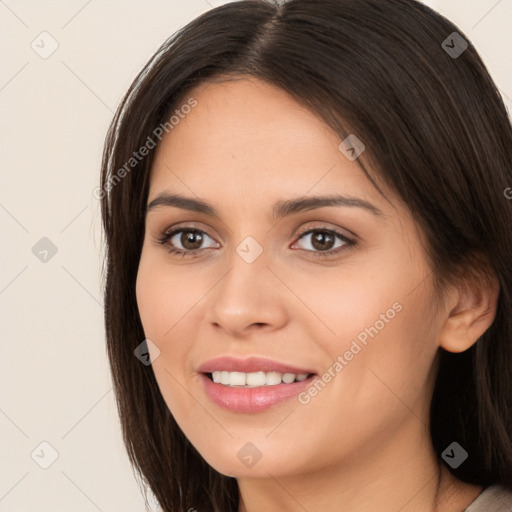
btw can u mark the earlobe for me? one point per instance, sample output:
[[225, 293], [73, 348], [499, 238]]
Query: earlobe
[[473, 313]]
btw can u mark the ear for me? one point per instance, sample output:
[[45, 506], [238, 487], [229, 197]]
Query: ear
[[472, 310]]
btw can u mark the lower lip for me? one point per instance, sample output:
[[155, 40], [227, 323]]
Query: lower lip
[[241, 399]]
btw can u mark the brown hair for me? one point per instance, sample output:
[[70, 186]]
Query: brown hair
[[436, 132]]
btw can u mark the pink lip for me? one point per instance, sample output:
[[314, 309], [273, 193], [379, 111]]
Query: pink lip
[[252, 400], [249, 365]]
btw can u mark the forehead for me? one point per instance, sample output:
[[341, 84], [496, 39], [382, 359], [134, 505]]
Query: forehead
[[245, 135]]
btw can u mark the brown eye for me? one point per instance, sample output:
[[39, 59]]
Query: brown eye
[[185, 241], [323, 240], [191, 240]]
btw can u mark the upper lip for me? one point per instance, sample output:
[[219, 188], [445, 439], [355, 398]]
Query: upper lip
[[249, 365]]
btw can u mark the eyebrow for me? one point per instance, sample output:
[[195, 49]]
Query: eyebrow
[[280, 209]]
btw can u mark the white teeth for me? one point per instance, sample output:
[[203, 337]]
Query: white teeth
[[288, 378], [255, 379], [272, 378], [236, 379]]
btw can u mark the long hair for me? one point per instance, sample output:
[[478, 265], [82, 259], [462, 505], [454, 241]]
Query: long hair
[[436, 132]]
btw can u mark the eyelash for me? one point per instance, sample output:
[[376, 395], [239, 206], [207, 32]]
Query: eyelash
[[164, 238]]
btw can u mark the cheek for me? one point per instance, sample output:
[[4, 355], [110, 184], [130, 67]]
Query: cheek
[[388, 377], [160, 308], [351, 303], [150, 300], [386, 341], [383, 385], [167, 300], [380, 306], [164, 296]]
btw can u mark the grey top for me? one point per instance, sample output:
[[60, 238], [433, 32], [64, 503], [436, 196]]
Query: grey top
[[494, 498]]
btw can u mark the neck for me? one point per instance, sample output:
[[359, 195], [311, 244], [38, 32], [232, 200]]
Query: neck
[[387, 479]]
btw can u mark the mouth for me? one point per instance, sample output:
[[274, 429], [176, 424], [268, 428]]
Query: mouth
[[246, 393], [253, 384], [255, 379]]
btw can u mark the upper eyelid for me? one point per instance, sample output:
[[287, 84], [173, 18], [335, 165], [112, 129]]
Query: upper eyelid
[[323, 225], [191, 225]]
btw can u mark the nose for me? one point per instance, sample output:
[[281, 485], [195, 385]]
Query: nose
[[248, 297]]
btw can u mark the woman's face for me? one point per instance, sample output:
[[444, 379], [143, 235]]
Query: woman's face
[[341, 291]]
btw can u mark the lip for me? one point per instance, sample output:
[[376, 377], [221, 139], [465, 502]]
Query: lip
[[252, 400], [250, 365]]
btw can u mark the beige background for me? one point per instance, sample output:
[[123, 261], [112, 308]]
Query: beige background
[[55, 385]]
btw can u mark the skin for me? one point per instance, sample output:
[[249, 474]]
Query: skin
[[362, 443]]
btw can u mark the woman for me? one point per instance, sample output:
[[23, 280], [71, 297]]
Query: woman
[[308, 288]]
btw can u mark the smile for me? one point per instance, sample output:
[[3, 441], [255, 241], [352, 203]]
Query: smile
[[253, 398], [255, 379]]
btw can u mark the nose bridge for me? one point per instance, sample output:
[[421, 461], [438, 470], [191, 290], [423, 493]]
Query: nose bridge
[[246, 280], [246, 294]]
